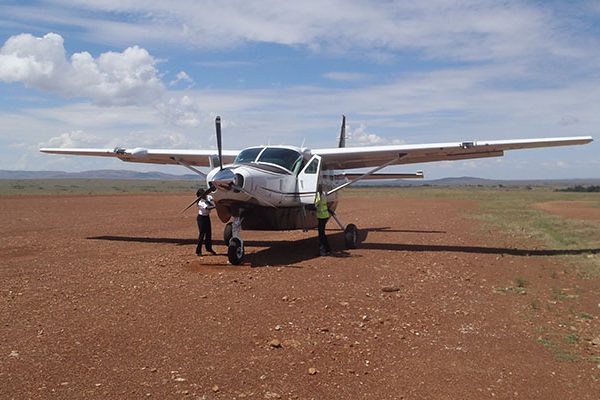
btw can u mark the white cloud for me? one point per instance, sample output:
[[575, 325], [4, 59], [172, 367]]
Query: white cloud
[[465, 30], [345, 76], [71, 139], [360, 137], [567, 120], [125, 78], [182, 76]]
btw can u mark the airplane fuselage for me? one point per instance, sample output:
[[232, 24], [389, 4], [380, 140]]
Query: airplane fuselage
[[271, 193]]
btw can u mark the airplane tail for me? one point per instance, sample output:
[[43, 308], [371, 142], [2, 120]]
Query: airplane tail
[[342, 141]]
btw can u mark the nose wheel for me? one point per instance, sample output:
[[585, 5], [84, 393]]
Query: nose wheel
[[235, 251], [235, 247]]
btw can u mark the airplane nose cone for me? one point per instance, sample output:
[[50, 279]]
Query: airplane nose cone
[[223, 179]]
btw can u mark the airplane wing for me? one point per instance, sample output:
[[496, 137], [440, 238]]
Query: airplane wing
[[373, 156], [199, 158]]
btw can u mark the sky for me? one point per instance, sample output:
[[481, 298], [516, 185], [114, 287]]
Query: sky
[[154, 74]]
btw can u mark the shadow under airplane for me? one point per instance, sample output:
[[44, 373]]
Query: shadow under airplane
[[277, 252]]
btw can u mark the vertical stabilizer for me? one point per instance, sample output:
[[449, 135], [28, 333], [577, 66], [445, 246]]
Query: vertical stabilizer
[[342, 142]]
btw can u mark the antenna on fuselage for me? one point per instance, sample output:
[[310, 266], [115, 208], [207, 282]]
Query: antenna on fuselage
[[342, 142], [219, 144]]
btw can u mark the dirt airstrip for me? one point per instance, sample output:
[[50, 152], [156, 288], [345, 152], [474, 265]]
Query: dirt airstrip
[[103, 297]]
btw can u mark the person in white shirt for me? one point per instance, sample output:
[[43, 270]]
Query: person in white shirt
[[205, 205]]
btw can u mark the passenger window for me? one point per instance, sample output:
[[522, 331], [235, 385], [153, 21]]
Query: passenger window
[[312, 167]]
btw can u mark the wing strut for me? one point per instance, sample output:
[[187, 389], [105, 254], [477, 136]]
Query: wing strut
[[371, 172], [188, 166]]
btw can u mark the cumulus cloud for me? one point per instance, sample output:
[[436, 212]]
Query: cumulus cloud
[[166, 140], [361, 137], [183, 111], [71, 139], [113, 78], [182, 76]]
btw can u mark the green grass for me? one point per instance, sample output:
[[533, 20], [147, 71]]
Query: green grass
[[28, 187], [510, 289], [572, 338], [585, 316], [521, 282], [510, 210]]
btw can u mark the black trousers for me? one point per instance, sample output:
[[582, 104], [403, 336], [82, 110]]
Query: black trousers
[[323, 242], [204, 233]]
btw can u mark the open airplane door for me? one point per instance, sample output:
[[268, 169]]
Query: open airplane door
[[308, 179]]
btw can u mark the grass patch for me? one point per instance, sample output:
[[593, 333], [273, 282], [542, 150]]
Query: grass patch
[[572, 338], [28, 187], [511, 289], [521, 282], [510, 209], [564, 355], [546, 342], [585, 316]]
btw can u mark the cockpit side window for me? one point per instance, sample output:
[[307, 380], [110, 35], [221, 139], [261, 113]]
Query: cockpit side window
[[247, 156], [280, 156]]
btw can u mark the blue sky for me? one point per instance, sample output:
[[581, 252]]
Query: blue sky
[[83, 73]]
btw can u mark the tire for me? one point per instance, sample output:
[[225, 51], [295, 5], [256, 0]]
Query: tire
[[235, 251], [351, 236], [228, 233]]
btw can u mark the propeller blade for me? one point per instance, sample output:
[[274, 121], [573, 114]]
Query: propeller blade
[[342, 142], [207, 191], [219, 144], [191, 204]]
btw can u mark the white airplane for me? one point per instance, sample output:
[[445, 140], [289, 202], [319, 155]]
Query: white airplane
[[274, 187]]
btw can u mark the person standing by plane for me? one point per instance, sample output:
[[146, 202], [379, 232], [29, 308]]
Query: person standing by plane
[[322, 218], [205, 205]]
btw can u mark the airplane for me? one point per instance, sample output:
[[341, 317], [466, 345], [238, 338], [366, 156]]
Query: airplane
[[274, 187]]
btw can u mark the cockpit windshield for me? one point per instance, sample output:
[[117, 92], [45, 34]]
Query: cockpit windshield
[[287, 158], [248, 155]]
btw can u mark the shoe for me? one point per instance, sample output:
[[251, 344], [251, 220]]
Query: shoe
[[214, 253], [199, 254]]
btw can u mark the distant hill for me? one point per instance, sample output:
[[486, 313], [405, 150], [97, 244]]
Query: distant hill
[[134, 175], [97, 174], [471, 181]]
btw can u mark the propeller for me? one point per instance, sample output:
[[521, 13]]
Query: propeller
[[219, 144], [210, 188], [225, 179]]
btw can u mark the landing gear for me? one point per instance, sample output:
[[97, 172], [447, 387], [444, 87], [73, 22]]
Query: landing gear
[[350, 233], [228, 232], [351, 236], [235, 249]]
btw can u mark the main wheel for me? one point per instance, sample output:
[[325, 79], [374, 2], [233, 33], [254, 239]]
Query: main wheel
[[235, 251], [351, 236], [228, 233]]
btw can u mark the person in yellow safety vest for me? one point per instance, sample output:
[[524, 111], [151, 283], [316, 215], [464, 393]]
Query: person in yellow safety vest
[[322, 218]]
